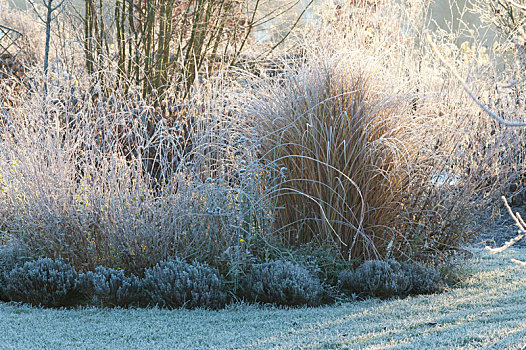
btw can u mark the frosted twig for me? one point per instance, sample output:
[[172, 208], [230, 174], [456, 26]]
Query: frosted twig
[[522, 263], [513, 83], [467, 89], [520, 224], [516, 5]]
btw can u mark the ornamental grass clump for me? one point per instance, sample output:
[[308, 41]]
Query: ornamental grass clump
[[175, 283], [342, 162], [47, 282], [281, 282], [112, 287], [374, 150]]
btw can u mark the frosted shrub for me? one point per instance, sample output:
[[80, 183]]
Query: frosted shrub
[[377, 278], [424, 280], [389, 278], [46, 282], [129, 199], [282, 283], [11, 256], [175, 283], [113, 288]]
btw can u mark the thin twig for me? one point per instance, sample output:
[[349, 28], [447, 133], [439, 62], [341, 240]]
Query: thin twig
[[516, 5], [290, 29], [522, 263], [518, 222], [506, 245], [513, 83], [522, 55], [518, 216], [467, 89]]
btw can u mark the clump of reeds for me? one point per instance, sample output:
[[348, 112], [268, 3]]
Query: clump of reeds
[[341, 152], [376, 150]]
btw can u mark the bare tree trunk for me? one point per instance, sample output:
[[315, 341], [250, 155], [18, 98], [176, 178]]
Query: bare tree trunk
[[49, 17]]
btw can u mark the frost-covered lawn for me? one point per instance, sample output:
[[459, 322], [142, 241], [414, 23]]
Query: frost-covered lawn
[[488, 311]]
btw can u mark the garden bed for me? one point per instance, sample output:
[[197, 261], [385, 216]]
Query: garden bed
[[487, 310]]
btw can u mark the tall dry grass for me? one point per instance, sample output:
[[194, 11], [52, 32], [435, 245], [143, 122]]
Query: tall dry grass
[[364, 143], [77, 178], [341, 152], [379, 151]]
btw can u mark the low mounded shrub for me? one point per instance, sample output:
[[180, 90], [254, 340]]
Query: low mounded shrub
[[327, 260], [46, 282], [377, 278], [11, 256], [282, 283], [389, 278], [113, 288], [424, 280], [454, 274], [175, 283]]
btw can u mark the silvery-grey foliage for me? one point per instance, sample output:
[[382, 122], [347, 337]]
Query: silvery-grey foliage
[[175, 283], [113, 288], [283, 283], [424, 280], [46, 282], [389, 278], [11, 256]]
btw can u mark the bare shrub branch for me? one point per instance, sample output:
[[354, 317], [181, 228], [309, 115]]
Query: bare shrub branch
[[516, 5], [468, 90], [520, 224]]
